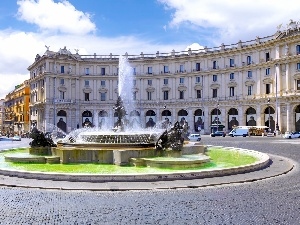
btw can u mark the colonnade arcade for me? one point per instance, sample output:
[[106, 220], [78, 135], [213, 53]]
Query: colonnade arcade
[[198, 119]]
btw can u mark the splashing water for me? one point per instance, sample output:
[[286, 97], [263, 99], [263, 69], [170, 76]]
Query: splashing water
[[125, 82]]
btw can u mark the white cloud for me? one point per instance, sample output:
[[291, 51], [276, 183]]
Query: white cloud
[[51, 16], [18, 50], [230, 21], [194, 46]]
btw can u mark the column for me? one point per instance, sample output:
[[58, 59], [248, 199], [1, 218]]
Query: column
[[190, 119], [157, 89], [95, 118], [223, 86], [110, 90], [288, 117], [259, 120], [173, 89], [287, 77], [190, 84]]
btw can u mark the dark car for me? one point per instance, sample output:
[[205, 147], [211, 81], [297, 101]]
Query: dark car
[[218, 133]]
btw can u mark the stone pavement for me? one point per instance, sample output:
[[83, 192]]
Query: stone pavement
[[274, 200]]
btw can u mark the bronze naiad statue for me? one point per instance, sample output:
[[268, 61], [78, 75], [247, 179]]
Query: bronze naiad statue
[[39, 139], [121, 112], [171, 139]]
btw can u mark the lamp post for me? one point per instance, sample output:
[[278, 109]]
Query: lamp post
[[218, 116], [277, 126], [269, 114]]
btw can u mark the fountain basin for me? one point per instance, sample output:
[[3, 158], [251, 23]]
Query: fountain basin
[[97, 153], [185, 161]]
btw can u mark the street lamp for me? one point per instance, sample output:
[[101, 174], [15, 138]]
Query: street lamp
[[218, 116], [277, 126], [269, 114]]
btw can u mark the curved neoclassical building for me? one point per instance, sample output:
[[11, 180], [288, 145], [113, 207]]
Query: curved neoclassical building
[[255, 82]]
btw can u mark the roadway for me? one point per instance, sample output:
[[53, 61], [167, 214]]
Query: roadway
[[274, 200]]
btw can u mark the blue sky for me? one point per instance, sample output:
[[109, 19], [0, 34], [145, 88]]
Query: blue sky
[[133, 26]]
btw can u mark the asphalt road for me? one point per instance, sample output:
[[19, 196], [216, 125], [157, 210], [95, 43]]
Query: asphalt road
[[270, 201], [6, 143]]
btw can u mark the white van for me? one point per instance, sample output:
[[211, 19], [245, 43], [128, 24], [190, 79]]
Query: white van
[[239, 131]]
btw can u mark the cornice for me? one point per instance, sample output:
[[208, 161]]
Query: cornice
[[150, 89], [215, 86], [182, 88], [87, 90], [232, 84], [198, 87], [102, 90], [268, 80]]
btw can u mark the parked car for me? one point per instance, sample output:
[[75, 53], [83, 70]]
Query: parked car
[[194, 137], [16, 138], [270, 134], [290, 135], [218, 133]]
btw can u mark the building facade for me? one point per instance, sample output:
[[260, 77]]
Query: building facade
[[256, 82], [17, 110]]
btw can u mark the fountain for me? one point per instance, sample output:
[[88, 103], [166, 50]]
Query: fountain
[[124, 144]]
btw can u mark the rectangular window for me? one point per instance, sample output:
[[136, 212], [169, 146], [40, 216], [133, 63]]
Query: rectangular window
[[61, 95], [231, 76], [198, 93], [298, 66], [214, 64], [298, 49], [102, 71], [249, 60], [198, 80], [231, 91], [166, 95], [102, 97], [86, 96], [268, 71], [150, 82], [134, 71], [181, 80], [149, 70], [149, 95], [166, 81], [86, 83], [181, 94], [250, 90], [215, 78], [62, 81], [102, 82], [267, 56], [62, 69], [215, 93], [197, 66], [231, 62], [181, 68], [298, 85], [249, 74], [134, 82], [268, 88], [166, 69], [87, 71]]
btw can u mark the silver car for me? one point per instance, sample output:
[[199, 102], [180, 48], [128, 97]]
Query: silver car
[[194, 137]]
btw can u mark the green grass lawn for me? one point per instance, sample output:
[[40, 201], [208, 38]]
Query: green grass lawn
[[220, 158]]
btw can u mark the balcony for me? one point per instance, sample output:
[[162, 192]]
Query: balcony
[[62, 101]]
